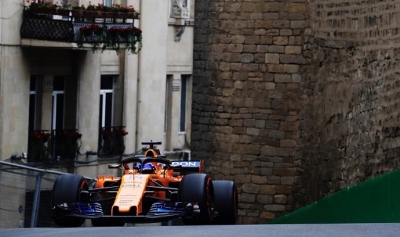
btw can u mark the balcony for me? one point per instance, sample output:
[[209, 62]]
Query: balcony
[[81, 29]]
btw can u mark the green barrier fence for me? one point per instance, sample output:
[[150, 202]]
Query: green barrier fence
[[374, 201]]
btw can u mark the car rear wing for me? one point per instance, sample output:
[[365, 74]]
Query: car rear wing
[[185, 167]]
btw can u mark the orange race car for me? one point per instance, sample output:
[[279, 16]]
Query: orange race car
[[151, 189]]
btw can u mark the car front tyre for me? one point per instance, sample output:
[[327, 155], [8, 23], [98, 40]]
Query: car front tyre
[[66, 189]]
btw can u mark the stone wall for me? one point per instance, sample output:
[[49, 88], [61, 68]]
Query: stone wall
[[246, 100], [350, 95], [294, 100]]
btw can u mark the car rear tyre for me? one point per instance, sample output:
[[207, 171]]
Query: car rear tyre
[[226, 202], [198, 189], [66, 189]]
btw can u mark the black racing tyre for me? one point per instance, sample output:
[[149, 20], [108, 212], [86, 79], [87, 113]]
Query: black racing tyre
[[198, 189], [106, 206], [226, 202], [67, 189]]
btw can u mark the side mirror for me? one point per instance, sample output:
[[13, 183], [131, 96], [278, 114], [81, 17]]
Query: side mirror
[[114, 166]]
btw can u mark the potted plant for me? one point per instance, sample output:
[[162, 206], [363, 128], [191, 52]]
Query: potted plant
[[42, 6], [77, 10], [65, 8], [112, 39], [93, 34], [92, 11]]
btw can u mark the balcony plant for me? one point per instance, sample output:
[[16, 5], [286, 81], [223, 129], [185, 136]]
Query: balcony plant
[[42, 6], [65, 8], [37, 145], [68, 143], [129, 36], [112, 141], [112, 39], [93, 34], [92, 10]]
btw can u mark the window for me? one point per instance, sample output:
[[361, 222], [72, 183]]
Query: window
[[32, 104], [166, 106], [183, 97], [108, 3], [57, 120], [106, 101]]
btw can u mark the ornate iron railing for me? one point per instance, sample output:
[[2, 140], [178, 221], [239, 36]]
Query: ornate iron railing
[[53, 27]]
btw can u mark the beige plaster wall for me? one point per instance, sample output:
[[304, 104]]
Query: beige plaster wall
[[14, 102], [152, 71]]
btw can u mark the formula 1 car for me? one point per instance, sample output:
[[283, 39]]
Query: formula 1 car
[[151, 189]]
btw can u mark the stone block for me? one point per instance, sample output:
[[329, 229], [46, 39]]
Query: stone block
[[263, 24], [275, 68], [288, 143], [295, 7], [280, 199], [293, 49], [284, 189], [282, 78], [253, 131], [252, 39], [247, 198], [248, 7], [256, 16], [250, 67], [249, 102], [271, 16], [247, 58], [267, 215], [298, 24], [235, 48], [289, 180], [267, 189], [274, 207], [276, 49], [250, 188], [266, 171], [272, 58], [236, 39], [224, 66], [234, 57], [274, 180], [280, 40], [257, 179], [269, 86], [236, 122], [273, 6], [286, 32], [291, 68], [291, 58], [265, 199], [265, 40]]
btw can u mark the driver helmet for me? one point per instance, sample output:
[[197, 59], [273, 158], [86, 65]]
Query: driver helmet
[[149, 166]]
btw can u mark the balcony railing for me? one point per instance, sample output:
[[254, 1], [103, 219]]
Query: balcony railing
[[83, 27], [111, 141], [44, 146]]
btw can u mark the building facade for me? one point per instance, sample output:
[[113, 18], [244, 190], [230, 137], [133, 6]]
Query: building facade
[[66, 107]]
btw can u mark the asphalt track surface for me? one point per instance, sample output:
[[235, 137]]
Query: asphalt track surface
[[303, 230]]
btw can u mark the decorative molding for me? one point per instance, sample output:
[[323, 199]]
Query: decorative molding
[[176, 85], [180, 10], [48, 84], [178, 32]]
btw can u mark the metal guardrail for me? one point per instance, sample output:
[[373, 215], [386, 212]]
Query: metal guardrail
[[15, 187]]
